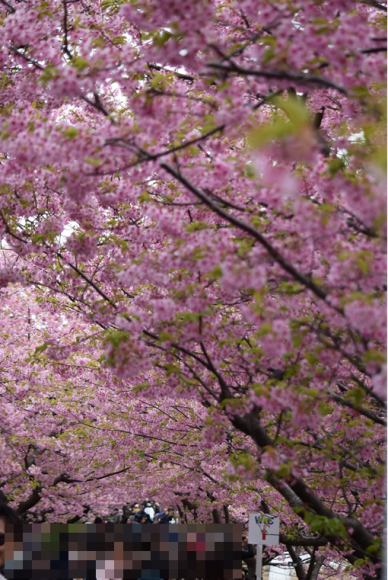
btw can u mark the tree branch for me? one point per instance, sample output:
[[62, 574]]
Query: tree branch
[[65, 43], [8, 5], [274, 253], [299, 570], [27, 58], [375, 49], [361, 410], [281, 75]]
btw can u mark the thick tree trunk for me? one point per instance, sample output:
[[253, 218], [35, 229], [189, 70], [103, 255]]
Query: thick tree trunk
[[216, 516], [298, 495]]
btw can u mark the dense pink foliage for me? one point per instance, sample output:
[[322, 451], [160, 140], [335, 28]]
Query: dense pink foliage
[[193, 274]]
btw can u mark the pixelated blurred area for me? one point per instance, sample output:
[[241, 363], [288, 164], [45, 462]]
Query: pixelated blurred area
[[128, 552]]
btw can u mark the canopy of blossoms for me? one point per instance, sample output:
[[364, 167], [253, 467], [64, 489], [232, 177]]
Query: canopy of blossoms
[[193, 273]]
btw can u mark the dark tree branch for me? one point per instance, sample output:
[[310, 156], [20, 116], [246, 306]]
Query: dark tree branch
[[27, 58], [35, 496], [365, 412], [305, 542], [246, 227], [299, 570], [372, 50], [376, 4], [8, 5], [298, 495], [179, 75], [97, 104], [30, 502], [281, 75], [66, 30], [90, 282], [151, 157]]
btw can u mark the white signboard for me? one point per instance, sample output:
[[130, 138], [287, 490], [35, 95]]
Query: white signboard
[[263, 529]]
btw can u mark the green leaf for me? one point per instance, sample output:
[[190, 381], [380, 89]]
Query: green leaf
[[312, 359], [141, 387], [70, 133], [291, 371], [380, 158], [358, 563], [79, 63], [324, 409], [374, 548], [158, 81], [161, 38], [359, 91], [249, 171], [374, 355], [216, 272], [294, 108], [290, 288], [194, 226], [41, 348], [335, 165], [119, 40], [165, 336], [268, 55], [49, 73], [143, 197], [260, 137], [297, 115], [116, 337], [264, 329]]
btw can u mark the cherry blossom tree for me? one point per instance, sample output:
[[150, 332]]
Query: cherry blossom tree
[[77, 441], [199, 189]]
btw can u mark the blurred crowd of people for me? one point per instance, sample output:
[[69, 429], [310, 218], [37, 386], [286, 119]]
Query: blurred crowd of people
[[146, 512]]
